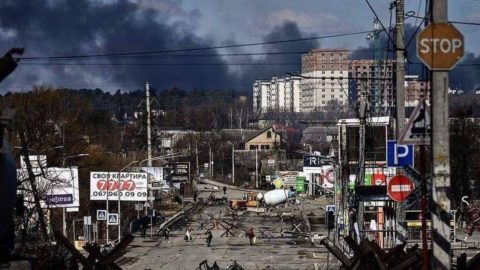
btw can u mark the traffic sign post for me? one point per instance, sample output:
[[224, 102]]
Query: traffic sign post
[[399, 155], [418, 130], [440, 46], [112, 219], [101, 214], [400, 187]]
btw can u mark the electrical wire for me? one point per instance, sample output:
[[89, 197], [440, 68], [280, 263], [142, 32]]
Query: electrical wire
[[195, 49], [381, 24]]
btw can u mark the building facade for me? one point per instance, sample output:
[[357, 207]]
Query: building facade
[[416, 90], [325, 73], [277, 94], [380, 92]]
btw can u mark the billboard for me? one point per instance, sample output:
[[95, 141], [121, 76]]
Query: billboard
[[314, 164], [328, 176], [57, 187], [130, 186], [156, 177], [181, 172]]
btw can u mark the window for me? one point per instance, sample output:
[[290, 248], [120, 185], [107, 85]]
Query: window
[[323, 96], [253, 147], [333, 96], [333, 90], [265, 147], [323, 102], [323, 90], [269, 134]]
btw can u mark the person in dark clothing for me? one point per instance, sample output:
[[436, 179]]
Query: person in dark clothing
[[251, 235], [224, 190], [144, 228], [195, 195], [209, 237], [166, 234]]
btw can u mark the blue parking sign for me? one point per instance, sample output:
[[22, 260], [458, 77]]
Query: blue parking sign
[[399, 155]]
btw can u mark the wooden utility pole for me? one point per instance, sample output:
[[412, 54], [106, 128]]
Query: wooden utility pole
[[400, 102], [441, 155]]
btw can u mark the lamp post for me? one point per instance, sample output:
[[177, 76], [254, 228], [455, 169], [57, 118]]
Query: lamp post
[[118, 206], [256, 166], [64, 214], [233, 162]]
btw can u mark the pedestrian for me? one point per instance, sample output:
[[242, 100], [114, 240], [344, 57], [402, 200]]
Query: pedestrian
[[209, 237], [224, 190], [188, 234], [251, 235], [166, 234], [144, 227], [195, 195]]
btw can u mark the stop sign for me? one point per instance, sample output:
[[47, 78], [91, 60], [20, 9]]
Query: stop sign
[[440, 46], [399, 187]]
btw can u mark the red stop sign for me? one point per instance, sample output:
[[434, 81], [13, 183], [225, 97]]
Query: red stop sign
[[440, 46], [400, 187]]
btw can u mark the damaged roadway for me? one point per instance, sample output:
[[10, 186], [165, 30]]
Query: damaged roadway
[[282, 239]]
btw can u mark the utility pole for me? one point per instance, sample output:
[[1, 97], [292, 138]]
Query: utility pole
[[149, 138], [149, 125], [400, 102], [441, 155], [362, 114]]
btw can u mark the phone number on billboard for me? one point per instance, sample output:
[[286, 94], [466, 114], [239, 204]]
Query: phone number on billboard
[[122, 194]]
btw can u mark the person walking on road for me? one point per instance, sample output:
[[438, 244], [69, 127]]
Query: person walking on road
[[251, 235], [188, 234], [209, 237], [224, 190], [166, 234], [195, 195]]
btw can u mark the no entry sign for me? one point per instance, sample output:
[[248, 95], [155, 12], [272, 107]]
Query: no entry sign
[[400, 187], [440, 46]]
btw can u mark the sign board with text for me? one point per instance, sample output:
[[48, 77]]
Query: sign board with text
[[59, 186], [156, 177], [314, 164], [130, 186], [440, 46]]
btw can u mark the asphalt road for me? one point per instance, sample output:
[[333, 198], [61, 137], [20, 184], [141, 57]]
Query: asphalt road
[[273, 250]]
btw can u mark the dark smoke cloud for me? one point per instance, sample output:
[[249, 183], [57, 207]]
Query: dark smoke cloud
[[288, 30], [73, 27], [462, 77]]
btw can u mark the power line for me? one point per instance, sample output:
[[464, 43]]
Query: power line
[[455, 22], [160, 64], [196, 49], [376, 16], [201, 55]]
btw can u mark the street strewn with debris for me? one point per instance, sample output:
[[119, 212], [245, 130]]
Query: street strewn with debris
[[282, 239]]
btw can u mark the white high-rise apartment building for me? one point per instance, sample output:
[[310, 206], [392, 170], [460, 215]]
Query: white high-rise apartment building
[[277, 94], [328, 72]]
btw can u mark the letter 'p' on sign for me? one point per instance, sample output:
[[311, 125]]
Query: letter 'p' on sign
[[440, 46]]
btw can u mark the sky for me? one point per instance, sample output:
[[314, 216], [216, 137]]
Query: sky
[[92, 27]]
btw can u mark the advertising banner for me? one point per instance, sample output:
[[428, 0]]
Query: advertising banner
[[57, 187], [130, 186], [328, 176], [181, 172], [156, 177], [300, 184]]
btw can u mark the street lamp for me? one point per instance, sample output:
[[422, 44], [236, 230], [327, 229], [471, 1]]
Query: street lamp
[[64, 214], [118, 206], [233, 162]]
